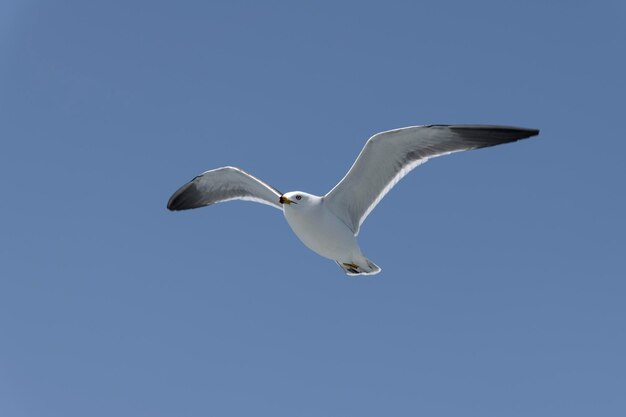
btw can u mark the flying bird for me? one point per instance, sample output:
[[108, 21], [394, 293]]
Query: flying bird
[[329, 224]]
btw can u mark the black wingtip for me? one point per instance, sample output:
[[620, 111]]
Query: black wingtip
[[489, 135], [184, 198], [172, 203], [522, 132]]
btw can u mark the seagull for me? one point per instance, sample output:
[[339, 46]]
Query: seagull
[[329, 224]]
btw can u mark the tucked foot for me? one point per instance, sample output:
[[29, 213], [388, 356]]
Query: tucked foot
[[352, 269]]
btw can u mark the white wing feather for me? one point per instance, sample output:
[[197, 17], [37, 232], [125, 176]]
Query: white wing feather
[[389, 156], [223, 184]]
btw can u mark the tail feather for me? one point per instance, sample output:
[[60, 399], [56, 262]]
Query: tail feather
[[353, 269]]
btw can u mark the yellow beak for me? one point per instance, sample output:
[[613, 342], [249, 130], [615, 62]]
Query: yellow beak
[[285, 200]]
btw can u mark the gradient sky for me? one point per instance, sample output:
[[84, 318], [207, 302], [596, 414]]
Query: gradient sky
[[503, 283]]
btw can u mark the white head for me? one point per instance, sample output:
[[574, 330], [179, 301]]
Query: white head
[[299, 199]]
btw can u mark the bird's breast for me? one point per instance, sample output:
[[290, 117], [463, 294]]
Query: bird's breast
[[321, 231]]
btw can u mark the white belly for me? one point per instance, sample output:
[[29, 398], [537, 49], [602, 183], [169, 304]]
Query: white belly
[[322, 232]]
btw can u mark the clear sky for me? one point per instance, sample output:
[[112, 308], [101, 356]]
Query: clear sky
[[503, 284]]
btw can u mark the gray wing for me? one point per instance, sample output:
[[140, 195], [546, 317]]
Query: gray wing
[[389, 156], [223, 184]]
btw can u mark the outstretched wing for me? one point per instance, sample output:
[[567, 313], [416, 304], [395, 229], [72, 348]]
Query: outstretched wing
[[223, 184], [389, 156]]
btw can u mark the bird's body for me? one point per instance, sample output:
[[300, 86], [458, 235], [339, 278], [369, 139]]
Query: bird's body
[[329, 224], [323, 232]]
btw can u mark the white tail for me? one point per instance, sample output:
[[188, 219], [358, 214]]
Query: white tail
[[353, 269]]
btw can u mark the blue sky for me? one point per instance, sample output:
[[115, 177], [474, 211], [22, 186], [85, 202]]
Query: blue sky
[[502, 291]]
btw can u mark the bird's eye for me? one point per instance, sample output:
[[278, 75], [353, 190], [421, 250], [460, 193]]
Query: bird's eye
[[298, 197]]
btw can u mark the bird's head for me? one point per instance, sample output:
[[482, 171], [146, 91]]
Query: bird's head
[[297, 198]]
